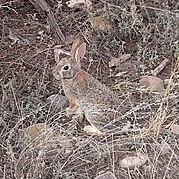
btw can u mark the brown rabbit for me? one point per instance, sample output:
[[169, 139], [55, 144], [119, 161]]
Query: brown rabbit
[[86, 94]]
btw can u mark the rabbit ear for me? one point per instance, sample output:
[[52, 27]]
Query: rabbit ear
[[77, 42], [80, 52]]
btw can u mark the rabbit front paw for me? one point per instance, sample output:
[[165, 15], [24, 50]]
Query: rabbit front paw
[[70, 111], [76, 113]]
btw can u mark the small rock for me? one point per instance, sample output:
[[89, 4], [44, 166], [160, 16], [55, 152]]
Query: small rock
[[164, 147], [152, 83], [117, 61], [58, 102], [35, 130], [175, 128], [131, 67], [135, 161], [41, 136], [100, 22], [106, 175], [72, 3]]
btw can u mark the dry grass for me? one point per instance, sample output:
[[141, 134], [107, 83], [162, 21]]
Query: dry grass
[[149, 33]]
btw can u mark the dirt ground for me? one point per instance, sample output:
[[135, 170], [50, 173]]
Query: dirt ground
[[59, 148]]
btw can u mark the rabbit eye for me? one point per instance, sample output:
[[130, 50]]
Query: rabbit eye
[[66, 67]]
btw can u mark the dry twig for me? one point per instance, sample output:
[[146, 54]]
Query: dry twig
[[158, 69]]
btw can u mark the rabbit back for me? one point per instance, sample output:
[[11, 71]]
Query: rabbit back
[[97, 101]]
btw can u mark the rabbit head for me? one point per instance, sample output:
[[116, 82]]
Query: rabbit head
[[68, 68]]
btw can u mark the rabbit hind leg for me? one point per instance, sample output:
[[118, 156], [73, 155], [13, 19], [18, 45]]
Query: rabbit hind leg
[[92, 130]]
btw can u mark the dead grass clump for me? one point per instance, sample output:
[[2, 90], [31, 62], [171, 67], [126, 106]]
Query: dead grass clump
[[147, 31]]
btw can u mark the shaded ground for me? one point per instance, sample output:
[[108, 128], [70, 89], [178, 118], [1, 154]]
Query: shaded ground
[[149, 34]]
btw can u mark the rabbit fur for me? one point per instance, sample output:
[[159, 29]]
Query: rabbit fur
[[86, 94]]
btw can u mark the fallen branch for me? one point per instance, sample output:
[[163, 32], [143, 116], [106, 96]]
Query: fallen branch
[[45, 11], [158, 69]]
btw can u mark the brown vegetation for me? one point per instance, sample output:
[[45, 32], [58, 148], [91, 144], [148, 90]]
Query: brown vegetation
[[147, 31]]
